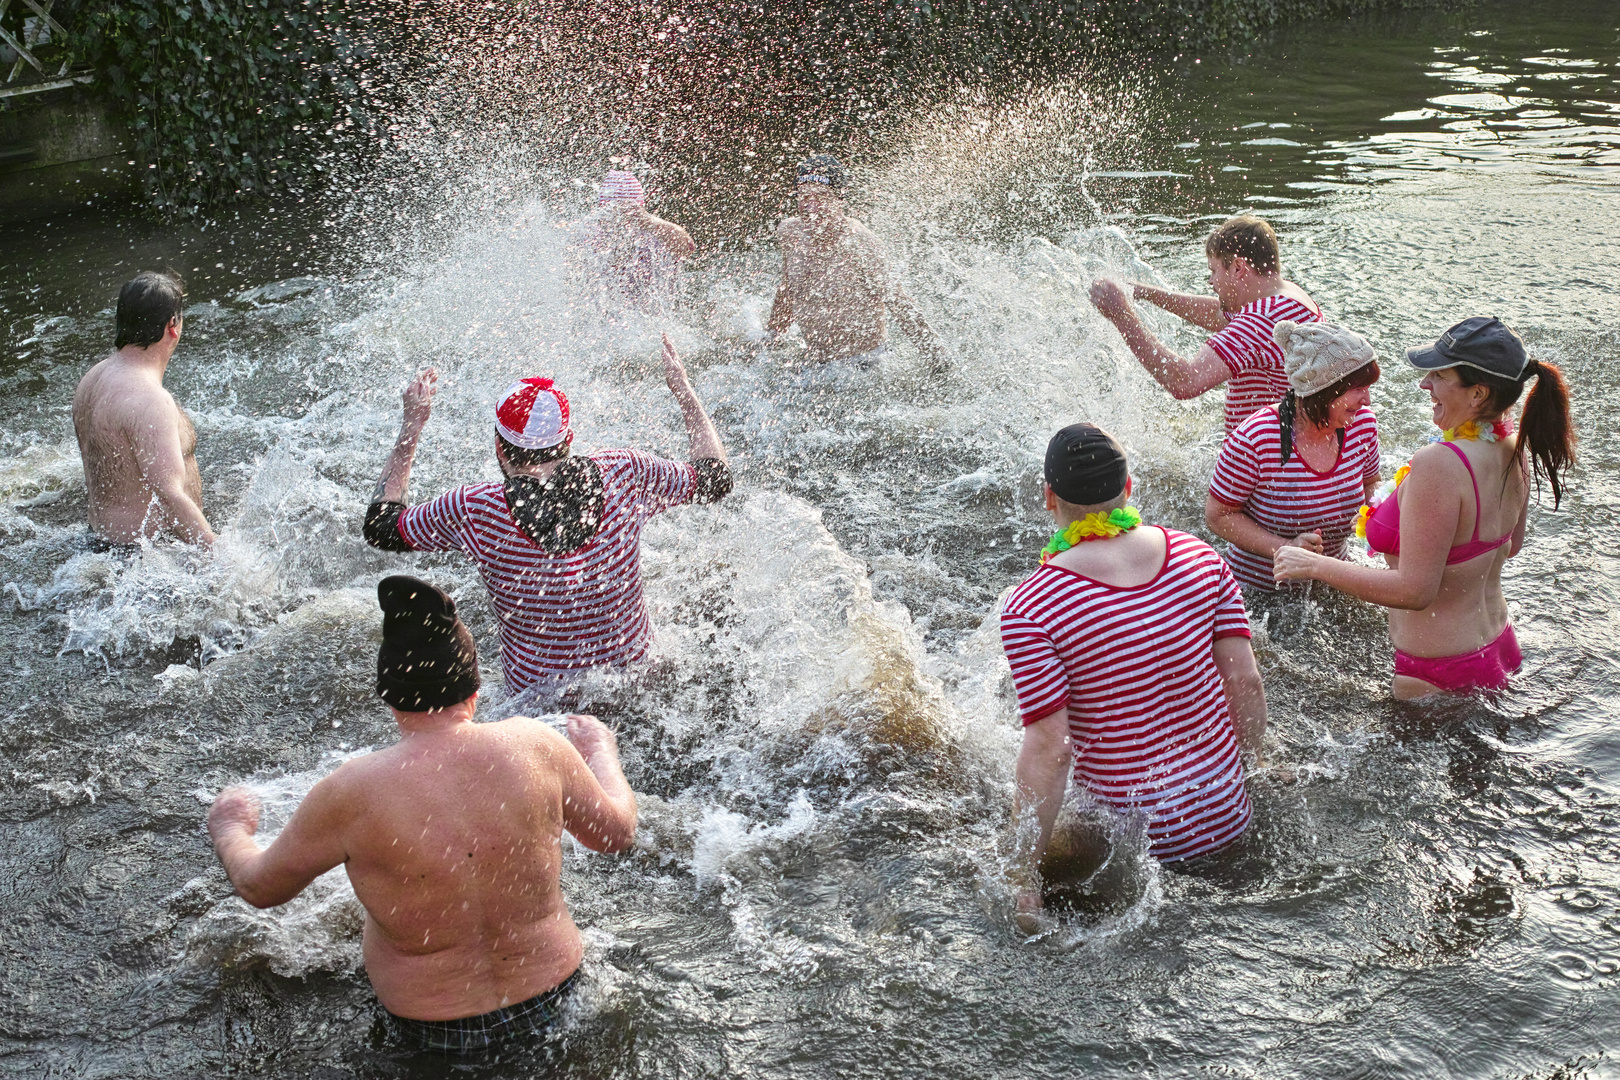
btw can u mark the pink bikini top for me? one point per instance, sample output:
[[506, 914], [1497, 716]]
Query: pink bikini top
[[1384, 525]]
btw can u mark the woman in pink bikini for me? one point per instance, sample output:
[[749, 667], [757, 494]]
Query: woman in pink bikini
[[1455, 514]]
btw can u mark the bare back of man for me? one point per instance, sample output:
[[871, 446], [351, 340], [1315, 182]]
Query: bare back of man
[[452, 841], [139, 452], [836, 282]]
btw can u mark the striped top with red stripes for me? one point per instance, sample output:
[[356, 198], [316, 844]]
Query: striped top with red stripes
[[1136, 669], [1290, 499], [1253, 356], [560, 614]]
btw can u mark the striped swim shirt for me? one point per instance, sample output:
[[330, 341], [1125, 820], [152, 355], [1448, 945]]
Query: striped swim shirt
[[1253, 357], [560, 614], [1294, 498], [1136, 669]]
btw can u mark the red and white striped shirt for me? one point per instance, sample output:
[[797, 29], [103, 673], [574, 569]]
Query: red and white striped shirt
[[1136, 669], [1253, 356], [1294, 498], [560, 614]]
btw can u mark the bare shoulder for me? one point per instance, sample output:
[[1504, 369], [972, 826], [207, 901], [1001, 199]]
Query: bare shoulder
[[532, 734], [1435, 460], [790, 230]]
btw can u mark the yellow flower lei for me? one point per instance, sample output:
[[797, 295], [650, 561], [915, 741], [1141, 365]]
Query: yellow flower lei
[[1098, 526]]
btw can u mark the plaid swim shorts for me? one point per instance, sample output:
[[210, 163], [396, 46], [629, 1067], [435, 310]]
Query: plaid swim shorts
[[475, 1034]]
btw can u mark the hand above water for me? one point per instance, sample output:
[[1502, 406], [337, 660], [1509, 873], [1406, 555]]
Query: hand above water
[[1109, 298], [1310, 541], [232, 809], [1291, 563], [674, 371], [590, 736], [419, 397]]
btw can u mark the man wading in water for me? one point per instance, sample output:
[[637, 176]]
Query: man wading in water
[[559, 543], [1251, 297], [451, 838], [636, 253], [1130, 656], [835, 282], [137, 445]]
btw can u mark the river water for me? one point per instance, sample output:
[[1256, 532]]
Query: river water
[[826, 745]]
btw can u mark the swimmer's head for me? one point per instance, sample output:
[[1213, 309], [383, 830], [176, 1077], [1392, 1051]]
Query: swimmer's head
[[621, 188], [823, 170], [819, 189], [147, 307], [531, 424], [428, 660], [1086, 470]]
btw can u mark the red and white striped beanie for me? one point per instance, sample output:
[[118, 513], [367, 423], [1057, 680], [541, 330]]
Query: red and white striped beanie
[[620, 186], [533, 414]]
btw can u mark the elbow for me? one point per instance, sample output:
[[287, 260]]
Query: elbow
[[618, 838], [256, 895], [381, 528], [1182, 391]]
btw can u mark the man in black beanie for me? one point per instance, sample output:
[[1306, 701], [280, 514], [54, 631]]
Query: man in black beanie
[[451, 838], [1129, 649]]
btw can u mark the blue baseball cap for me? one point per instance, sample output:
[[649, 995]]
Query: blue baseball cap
[[1482, 342]]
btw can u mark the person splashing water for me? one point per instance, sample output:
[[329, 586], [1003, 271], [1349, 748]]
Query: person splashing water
[[451, 838], [1130, 655], [558, 544], [1251, 298], [636, 254], [836, 283]]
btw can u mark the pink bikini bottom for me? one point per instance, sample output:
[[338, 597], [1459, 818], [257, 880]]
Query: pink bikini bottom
[[1482, 669]]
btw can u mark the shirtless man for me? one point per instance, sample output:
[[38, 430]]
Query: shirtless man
[[451, 838], [137, 444], [638, 252], [1251, 297], [835, 282]]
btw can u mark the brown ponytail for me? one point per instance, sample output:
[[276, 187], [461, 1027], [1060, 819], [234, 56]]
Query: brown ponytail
[[1546, 434], [1545, 428]]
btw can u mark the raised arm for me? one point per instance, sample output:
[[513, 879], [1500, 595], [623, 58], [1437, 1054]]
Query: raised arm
[[1204, 311], [598, 806], [388, 497], [162, 462], [1183, 378], [1430, 509], [705, 441], [310, 845], [1245, 692]]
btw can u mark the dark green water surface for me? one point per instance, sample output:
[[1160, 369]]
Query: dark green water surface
[[827, 746]]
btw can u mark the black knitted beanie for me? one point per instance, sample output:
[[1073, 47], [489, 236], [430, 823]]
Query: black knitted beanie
[[428, 659]]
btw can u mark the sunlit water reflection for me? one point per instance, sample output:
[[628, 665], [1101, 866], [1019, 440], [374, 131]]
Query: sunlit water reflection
[[826, 743]]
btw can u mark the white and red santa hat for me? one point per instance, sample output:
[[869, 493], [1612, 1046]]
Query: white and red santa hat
[[533, 414], [621, 186]]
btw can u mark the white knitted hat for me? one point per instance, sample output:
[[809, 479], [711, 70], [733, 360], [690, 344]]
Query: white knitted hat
[[1318, 354]]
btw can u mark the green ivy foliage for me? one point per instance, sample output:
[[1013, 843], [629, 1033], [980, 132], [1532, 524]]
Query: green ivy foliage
[[226, 99]]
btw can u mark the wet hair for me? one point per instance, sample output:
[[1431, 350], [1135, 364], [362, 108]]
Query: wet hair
[[146, 307], [1317, 406], [1249, 238], [1546, 433], [524, 458]]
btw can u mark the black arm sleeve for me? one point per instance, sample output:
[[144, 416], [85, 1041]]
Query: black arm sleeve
[[382, 526], [713, 480]]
